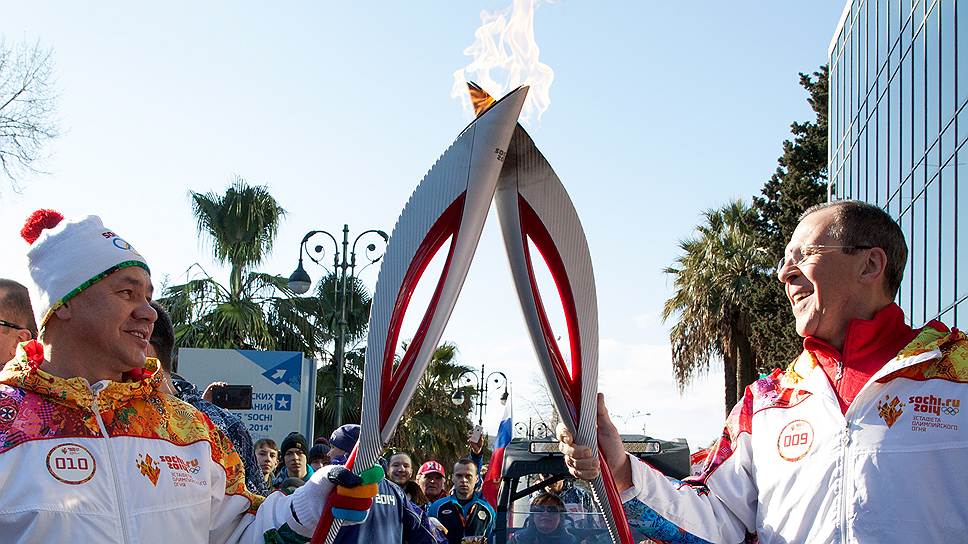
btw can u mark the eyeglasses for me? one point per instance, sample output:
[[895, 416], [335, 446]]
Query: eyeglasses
[[801, 254], [11, 325], [545, 509]]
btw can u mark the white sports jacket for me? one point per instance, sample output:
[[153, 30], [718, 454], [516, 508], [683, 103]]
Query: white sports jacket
[[121, 462], [792, 468]]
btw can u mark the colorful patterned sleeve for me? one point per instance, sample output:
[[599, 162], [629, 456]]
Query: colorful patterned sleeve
[[673, 511], [239, 516], [648, 522]]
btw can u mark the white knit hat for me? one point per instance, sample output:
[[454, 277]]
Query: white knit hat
[[68, 256]]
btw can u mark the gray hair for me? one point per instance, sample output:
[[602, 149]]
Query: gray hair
[[858, 223]]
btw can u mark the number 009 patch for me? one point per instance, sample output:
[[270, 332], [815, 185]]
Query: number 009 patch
[[71, 463], [795, 440]]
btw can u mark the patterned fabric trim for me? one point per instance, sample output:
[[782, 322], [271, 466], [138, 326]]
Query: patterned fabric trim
[[648, 522], [952, 366], [88, 283]]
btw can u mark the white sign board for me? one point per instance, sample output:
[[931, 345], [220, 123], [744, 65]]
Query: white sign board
[[283, 386]]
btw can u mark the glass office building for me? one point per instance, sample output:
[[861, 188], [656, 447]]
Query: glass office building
[[898, 125]]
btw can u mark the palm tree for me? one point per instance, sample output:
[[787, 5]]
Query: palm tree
[[254, 310], [433, 427], [713, 279]]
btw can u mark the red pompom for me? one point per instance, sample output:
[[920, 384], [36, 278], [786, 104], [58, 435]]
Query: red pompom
[[37, 222]]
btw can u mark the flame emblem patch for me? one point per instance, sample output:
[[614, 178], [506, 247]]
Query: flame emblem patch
[[890, 409], [149, 468]]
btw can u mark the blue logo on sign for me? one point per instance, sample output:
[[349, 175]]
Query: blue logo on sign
[[283, 401], [287, 372]]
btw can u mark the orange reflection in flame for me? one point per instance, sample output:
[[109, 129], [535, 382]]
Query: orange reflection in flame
[[479, 98]]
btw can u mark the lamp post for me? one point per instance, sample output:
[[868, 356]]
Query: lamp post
[[479, 379], [300, 282]]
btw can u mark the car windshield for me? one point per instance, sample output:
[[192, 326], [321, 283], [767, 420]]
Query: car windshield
[[561, 512], [577, 520]]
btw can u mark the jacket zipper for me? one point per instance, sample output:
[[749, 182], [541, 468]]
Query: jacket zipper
[[845, 479], [840, 372], [96, 389]]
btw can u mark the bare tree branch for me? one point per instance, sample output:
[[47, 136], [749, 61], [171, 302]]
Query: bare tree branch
[[27, 109]]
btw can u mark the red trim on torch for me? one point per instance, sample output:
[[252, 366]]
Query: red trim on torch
[[445, 227], [615, 502], [326, 519], [570, 382]]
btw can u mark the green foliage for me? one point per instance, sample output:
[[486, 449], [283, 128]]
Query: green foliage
[[728, 303], [352, 392], [712, 280], [800, 181], [255, 310], [433, 427]]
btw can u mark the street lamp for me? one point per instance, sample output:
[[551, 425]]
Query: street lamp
[[300, 282], [470, 377]]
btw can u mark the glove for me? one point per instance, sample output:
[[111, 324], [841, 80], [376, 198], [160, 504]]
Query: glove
[[352, 502], [344, 477]]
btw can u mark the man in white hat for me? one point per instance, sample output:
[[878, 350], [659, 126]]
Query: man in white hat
[[90, 450]]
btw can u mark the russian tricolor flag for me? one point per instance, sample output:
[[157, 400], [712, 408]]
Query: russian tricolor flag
[[492, 480]]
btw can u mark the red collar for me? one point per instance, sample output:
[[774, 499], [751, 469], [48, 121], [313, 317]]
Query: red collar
[[869, 343]]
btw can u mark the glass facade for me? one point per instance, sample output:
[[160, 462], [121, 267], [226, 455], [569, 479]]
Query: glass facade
[[898, 125]]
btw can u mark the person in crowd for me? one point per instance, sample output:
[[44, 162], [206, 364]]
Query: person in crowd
[[79, 406], [400, 468], [294, 453], [342, 441], [415, 494], [547, 524], [161, 346], [17, 324], [857, 440], [393, 519], [267, 455], [577, 501], [318, 456], [465, 514], [476, 454], [432, 480]]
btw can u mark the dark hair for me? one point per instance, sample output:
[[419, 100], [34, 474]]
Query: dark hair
[[163, 338], [265, 442], [549, 498], [15, 299], [416, 494], [318, 451], [466, 461], [394, 454], [858, 223]]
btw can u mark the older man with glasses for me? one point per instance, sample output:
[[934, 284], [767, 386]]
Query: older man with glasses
[[16, 318], [860, 439]]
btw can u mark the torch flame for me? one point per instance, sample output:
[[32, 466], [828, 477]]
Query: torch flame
[[505, 43]]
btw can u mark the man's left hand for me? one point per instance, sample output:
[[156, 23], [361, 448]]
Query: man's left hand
[[477, 446]]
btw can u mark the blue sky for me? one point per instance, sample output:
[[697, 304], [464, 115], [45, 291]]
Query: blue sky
[[659, 110]]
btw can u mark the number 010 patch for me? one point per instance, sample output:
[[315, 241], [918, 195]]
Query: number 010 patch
[[71, 463], [795, 440]]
